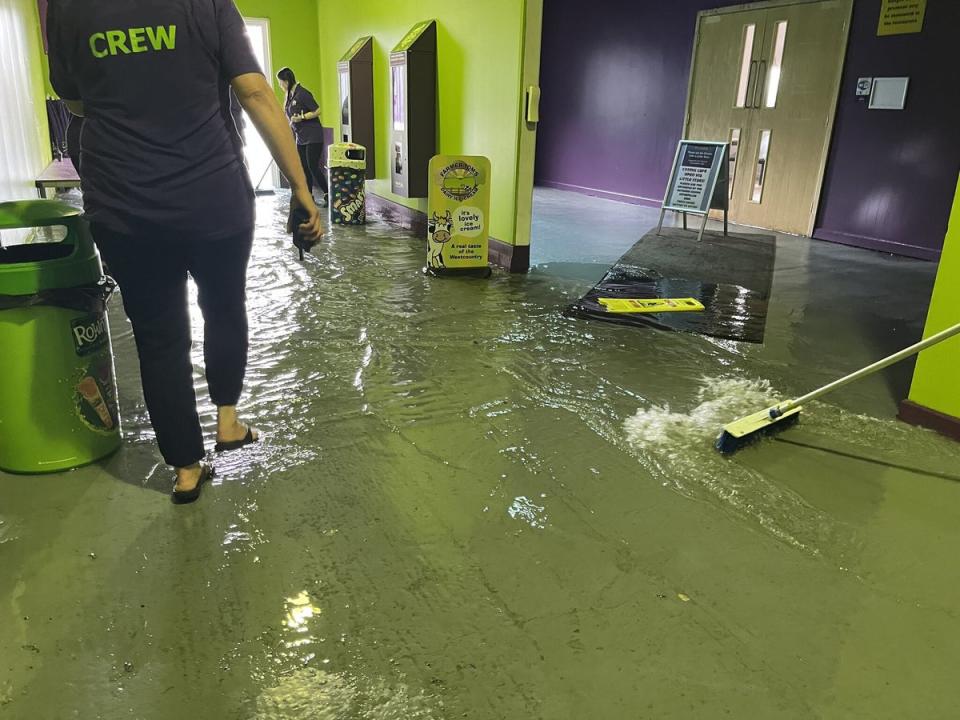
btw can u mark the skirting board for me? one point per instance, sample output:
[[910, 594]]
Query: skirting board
[[916, 414], [515, 259], [605, 194], [878, 244]]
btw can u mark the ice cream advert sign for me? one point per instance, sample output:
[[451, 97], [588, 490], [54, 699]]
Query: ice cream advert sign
[[457, 214]]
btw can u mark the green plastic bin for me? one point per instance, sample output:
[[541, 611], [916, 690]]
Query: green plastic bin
[[58, 396]]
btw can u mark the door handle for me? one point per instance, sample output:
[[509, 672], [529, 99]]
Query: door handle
[[533, 104], [758, 89]]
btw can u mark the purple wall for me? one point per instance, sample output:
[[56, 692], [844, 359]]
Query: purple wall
[[614, 77], [891, 175]]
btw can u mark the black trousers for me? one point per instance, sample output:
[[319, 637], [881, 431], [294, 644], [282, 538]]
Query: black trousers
[[152, 275], [311, 157]]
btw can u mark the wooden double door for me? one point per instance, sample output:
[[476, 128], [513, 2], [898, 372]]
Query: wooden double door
[[765, 79]]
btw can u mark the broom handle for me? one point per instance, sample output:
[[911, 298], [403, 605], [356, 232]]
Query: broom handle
[[870, 369]]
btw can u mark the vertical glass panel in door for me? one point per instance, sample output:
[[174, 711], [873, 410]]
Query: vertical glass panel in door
[[746, 65], [734, 151], [760, 175], [776, 63]]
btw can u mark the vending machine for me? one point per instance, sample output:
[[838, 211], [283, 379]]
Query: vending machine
[[413, 80], [355, 71]]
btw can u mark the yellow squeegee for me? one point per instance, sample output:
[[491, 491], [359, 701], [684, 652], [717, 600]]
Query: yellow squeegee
[[651, 305]]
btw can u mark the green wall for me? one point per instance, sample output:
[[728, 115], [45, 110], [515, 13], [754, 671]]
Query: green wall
[[293, 37], [39, 82], [479, 53], [936, 381]]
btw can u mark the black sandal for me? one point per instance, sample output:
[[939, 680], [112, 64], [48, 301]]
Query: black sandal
[[184, 497], [236, 444]]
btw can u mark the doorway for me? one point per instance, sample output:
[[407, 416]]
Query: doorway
[[260, 165], [765, 79]]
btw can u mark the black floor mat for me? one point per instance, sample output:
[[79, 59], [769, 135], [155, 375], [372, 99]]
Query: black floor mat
[[731, 275]]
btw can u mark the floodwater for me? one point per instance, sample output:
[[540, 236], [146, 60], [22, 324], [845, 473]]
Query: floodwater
[[469, 506]]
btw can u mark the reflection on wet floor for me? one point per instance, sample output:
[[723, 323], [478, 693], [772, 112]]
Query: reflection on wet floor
[[469, 505]]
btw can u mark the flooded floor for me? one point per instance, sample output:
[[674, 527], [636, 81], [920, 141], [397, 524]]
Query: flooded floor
[[470, 506]]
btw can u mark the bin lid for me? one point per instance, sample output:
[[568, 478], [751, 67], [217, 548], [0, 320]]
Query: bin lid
[[348, 155], [35, 213], [33, 267]]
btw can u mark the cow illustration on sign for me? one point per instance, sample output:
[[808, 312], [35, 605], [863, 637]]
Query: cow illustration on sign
[[439, 232]]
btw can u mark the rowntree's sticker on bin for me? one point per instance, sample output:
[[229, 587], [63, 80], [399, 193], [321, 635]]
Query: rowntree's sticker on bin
[[457, 211], [95, 396], [90, 333]]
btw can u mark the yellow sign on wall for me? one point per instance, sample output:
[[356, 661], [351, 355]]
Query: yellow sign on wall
[[899, 17], [458, 209]]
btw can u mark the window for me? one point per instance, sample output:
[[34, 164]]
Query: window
[[760, 175], [773, 79], [746, 63]]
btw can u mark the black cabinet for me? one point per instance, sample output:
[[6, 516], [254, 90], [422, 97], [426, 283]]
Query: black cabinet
[[355, 71], [413, 81]]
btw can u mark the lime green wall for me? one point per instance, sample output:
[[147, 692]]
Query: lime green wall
[[936, 381], [293, 37], [39, 82], [479, 48]]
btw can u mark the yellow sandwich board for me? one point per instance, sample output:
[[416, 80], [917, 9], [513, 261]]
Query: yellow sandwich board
[[458, 209]]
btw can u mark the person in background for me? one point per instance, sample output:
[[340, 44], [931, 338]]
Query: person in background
[[304, 115], [167, 194]]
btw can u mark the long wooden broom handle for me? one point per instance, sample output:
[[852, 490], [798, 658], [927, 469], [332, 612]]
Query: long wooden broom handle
[[870, 369]]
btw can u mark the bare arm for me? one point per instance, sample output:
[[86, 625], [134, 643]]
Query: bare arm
[[315, 115], [257, 98]]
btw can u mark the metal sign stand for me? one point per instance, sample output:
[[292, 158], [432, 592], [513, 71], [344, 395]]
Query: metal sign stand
[[720, 200]]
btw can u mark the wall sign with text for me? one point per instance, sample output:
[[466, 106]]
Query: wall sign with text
[[900, 17], [696, 168]]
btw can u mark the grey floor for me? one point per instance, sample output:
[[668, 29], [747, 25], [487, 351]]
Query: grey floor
[[469, 505], [829, 301]]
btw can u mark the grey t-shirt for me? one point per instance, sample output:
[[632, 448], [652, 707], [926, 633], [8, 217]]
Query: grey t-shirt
[[161, 153]]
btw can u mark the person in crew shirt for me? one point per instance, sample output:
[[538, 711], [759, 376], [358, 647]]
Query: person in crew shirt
[[167, 195]]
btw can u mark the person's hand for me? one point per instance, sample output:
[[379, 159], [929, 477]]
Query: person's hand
[[297, 118], [310, 230]]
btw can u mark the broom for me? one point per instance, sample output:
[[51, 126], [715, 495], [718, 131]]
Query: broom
[[786, 414]]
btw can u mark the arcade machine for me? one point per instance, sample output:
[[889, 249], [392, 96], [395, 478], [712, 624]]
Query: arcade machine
[[356, 99], [413, 77]]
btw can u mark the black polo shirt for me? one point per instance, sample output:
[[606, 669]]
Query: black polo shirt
[[160, 149], [300, 101]]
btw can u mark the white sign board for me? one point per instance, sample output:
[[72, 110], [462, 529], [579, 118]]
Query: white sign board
[[696, 168]]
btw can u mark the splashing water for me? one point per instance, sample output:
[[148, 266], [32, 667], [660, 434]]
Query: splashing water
[[719, 401], [677, 448]]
